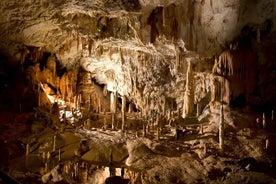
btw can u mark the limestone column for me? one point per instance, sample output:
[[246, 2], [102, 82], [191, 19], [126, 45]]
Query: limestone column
[[123, 111], [188, 104], [221, 128]]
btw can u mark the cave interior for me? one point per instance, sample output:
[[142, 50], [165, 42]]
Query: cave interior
[[137, 91]]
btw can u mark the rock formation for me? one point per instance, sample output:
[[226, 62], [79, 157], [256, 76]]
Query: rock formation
[[126, 75]]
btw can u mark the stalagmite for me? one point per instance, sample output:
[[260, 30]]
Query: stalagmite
[[20, 107], [164, 105], [54, 144], [123, 111], [75, 101], [158, 132], [148, 128], [221, 128], [90, 42], [164, 16], [188, 105], [177, 58], [59, 155], [158, 127], [197, 110], [89, 102], [258, 123], [113, 96], [99, 105], [48, 155], [201, 129], [144, 131], [130, 108], [205, 149], [258, 35], [46, 167], [76, 169], [43, 157], [264, 121], [27, 149], [38, 97], [122, 171], [105, 120], [176, 136], [266, 143], [112, 170]]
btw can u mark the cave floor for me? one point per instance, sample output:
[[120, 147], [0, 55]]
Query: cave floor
[[86, 155]]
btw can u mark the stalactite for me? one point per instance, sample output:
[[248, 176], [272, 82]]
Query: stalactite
[[24, 53], [152, 21], [36, 54]]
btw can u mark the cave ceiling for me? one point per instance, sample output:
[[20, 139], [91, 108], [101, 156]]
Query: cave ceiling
[[139, 48]]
